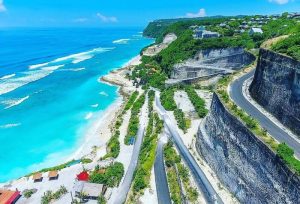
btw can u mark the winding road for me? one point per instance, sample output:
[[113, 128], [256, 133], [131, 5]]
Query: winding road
[[236, 94], [162, 188], [203, 183]]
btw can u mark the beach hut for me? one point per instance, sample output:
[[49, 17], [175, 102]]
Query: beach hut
[[83, 176], [53, 175], [8, 196], [38, 177]]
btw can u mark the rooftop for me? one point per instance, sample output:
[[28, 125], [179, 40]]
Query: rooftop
[[8, 197], [91, 189]]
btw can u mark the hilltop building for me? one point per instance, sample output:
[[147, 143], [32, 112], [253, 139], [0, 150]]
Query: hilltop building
[[255, 30], [202, 33]]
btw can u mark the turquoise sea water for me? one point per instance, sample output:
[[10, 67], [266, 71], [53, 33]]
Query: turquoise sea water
[[50, 90]]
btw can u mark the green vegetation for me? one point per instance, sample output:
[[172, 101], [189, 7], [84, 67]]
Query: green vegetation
[[168, 102], [49, 196], [86, 160], [171, 159], [174, 186], [147, 154], [167, 99], [149, 73], [101, 200], [192, 193], [289, 46], [111, 177], [131, 100], [173, 162], [198, 102], [55, 168], [134, 119], [29, 193], [287, 154], [113, 146], [186, 46]]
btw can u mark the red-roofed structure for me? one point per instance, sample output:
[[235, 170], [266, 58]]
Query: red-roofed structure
[[83, 176], [9, 197]]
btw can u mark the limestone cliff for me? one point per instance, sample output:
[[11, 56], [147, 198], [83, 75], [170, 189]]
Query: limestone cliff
[[276, 86], [212, 61], [250, 170]]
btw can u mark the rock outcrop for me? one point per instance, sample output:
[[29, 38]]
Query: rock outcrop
[[250, 170], [276, 87], [212, 62]]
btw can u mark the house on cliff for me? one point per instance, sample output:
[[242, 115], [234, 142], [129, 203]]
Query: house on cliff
[[202, 33]]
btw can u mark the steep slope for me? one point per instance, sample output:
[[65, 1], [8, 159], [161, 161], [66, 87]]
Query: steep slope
[[276, 86], [250, 170]]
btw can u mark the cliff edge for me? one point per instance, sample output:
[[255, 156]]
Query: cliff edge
[[250, 170], [276, 87]]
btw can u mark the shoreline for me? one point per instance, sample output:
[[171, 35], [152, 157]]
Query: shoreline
[[98, 132]]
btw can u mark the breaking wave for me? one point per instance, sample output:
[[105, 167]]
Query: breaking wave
[[14, 102], [13, 83], [7, 76], [10, 125], [121, 41]]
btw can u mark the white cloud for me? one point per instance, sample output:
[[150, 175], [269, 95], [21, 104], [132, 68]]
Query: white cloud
[[107, 19], [80, 20], [279, 1], [200, 13], [2, 7]]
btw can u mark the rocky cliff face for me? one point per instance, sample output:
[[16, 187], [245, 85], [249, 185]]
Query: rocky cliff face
[[212, 61], [276, 86], [250, 170]]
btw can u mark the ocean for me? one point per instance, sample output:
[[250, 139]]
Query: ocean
[[50, 90]]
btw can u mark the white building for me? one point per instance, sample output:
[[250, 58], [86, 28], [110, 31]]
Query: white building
[[255, 30], [201, 33]]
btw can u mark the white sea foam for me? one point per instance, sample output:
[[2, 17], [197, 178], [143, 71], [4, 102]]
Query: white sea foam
[[26, 78], [82, 58], [103, 93], [7, 76], [10, 125], [88, 116], [38, 65], [76, 58], [95, 105], [121, 41], [14, 102]]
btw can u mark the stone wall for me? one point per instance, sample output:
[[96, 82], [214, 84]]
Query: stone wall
[[276, 86], [242, 162]]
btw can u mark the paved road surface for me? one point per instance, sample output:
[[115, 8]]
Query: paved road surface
[[208, 191], [162, 188], [279, 134], [125, 186]]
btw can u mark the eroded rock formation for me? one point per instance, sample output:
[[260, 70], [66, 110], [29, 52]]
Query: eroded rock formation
[[250, 170], [276, 86], [212, 62]]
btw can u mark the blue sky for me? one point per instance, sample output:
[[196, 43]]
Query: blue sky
[[91, 13]]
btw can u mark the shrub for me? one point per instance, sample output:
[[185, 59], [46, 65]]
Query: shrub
[[198, 102], [112, 176]]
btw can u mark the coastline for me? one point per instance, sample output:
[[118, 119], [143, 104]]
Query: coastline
[[98, 132]]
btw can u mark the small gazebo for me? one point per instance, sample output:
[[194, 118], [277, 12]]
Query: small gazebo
[[37, 177], [53, 175]]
